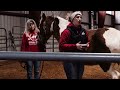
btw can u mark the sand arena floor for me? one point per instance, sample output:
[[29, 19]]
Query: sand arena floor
[[51, 70]]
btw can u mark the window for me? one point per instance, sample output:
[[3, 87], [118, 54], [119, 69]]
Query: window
[[110, 12]]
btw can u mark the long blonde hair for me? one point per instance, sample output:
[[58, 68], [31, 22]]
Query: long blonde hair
[[27, 26]]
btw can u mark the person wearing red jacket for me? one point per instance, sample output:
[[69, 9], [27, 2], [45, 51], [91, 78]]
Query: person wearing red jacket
[[74, 39], [30, 44]]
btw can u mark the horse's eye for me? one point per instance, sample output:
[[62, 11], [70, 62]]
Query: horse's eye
[[44, 26]]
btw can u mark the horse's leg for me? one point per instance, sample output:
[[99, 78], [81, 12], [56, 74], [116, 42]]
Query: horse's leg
[[114, 73], [118, 69], [105, 66], [118, 66]]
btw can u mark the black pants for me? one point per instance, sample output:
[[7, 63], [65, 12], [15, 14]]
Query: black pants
[[73, 70]]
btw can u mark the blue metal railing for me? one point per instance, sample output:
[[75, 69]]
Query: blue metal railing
[[60, 56]]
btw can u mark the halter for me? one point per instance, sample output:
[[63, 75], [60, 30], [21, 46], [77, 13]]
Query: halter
[[51, 27]]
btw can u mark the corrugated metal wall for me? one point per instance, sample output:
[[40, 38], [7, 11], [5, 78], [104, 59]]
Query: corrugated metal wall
[[8, 22]]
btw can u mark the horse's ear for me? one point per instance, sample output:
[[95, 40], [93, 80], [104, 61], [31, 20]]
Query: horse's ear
[[56, 20], [43, 16]]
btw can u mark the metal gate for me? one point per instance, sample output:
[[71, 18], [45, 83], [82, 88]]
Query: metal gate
[[3, 39]]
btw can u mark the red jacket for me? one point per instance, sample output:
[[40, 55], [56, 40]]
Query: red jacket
[[30, 43], [64, 43]]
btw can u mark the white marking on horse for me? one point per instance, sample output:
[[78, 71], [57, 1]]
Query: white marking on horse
[[114, 71], [51, 27], [112, 40], [62, 24]]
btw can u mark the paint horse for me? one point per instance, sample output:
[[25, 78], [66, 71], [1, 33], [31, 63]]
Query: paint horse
[[102, 40]]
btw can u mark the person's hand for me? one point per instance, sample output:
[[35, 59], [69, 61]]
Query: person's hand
[[82, 46], [79, 46], [88, 44]]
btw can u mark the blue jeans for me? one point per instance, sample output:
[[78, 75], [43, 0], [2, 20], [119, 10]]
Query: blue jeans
[[36, 65], [73, 70]]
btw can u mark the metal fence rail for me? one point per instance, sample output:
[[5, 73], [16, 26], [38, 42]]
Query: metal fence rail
[[60, 56]]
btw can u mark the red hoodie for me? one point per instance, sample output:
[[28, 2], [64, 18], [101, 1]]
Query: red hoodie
[[64, 43], [29, 43]]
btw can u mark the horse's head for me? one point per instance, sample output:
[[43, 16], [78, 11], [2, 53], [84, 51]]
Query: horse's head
[[45, 25], [53, 25]]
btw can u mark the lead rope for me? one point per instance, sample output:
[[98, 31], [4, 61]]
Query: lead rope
[[41, 70], [12, 41]]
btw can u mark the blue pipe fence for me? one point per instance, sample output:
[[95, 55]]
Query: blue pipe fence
[[60, 56]]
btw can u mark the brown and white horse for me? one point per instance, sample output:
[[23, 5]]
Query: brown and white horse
[[102, 40]]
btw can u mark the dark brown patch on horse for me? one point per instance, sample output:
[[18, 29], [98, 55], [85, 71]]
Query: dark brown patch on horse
[[90, 33], [97, 45], [97, 42]]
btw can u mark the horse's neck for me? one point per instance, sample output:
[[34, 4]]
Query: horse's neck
[[62, 24], [62, 19]]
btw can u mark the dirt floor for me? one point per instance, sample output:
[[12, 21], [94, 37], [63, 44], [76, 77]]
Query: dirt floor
[[51, 70]]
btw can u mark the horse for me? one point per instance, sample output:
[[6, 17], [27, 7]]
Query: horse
[[101, 40]]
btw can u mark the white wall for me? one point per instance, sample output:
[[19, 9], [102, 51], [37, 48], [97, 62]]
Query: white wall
[[117, 19], [117, 16], [108, 20]]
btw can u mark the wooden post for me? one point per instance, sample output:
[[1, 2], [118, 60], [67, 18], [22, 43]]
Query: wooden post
[[101, 18]]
